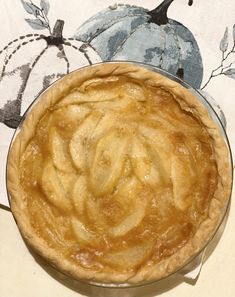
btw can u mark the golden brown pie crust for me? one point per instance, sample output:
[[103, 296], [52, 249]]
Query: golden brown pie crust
[[151, 267]]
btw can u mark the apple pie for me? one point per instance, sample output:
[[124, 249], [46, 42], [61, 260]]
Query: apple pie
[[118, 174]]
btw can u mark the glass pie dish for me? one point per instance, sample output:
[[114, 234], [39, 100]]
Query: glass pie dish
[[121, 237]]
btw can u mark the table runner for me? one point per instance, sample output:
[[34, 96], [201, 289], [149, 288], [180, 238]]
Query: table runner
[[43, 40]]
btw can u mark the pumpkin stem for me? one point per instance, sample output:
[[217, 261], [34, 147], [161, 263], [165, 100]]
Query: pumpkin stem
[[159, 14], [56, 38], [58, 29]]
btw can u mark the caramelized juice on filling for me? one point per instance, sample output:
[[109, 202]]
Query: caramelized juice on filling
[[118, 176]]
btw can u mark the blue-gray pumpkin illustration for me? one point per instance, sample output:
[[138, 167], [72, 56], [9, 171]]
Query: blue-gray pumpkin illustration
[[125, 32]]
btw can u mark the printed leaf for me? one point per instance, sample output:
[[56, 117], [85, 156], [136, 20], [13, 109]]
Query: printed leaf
[[37, 24], [234, 32], [224, 41], [230, 73], [30, 8], [45, 5]]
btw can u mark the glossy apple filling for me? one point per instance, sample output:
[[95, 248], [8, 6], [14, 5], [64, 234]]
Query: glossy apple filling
[[118, 175]]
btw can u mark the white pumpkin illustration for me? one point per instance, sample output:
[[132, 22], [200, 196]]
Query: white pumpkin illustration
[[34, 61]]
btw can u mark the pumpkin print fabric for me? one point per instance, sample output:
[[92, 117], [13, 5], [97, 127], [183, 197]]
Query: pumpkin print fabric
[[215, 42], [52, 47], [124, 32], [49, 42]]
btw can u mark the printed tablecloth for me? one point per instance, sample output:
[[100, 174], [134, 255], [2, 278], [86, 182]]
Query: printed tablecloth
[[43, 40]]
